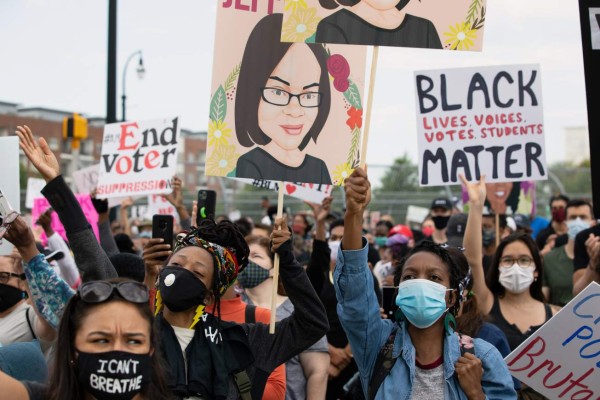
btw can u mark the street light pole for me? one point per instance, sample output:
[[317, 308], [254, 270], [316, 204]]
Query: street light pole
[[140, 70], [111, 84]]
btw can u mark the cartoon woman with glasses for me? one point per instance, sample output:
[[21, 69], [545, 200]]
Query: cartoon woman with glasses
[[376, 22], [282, 102]]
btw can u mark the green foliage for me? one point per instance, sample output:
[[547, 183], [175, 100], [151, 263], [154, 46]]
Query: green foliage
[[232, 77], [353, 96], [218, 105], [403, 175]]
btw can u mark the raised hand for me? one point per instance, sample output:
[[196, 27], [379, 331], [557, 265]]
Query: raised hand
[[476, 190], [358, 192], [39, 153], [280, 235], [176, 196], [21, 236], [320, 211], [154, 253]]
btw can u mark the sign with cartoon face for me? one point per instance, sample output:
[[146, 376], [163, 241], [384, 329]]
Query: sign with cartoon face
[[480, 121], [281, 111], [429, 24]]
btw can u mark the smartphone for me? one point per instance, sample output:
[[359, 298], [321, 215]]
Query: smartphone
[[389, 301], [207, 204], [162, 227]]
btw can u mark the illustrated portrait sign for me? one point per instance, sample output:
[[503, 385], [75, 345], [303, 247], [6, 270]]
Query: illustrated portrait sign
[[281, 111], [429, 24], [480, 121], [506, 198], [311, 192]]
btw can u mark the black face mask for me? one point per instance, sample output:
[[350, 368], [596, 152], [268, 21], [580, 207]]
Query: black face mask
[[440, 222], [488, 237], [113, 375], [9, 296], [180, 290]]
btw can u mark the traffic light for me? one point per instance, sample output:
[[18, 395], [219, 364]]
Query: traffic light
[[75, 127]]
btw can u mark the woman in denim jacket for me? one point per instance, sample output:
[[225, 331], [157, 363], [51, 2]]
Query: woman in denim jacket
[[427, 354]]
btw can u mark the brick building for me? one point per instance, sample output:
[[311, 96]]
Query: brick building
[[47, 122]]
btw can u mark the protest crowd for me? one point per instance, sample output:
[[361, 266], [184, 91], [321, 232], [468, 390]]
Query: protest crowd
[[375, 311]]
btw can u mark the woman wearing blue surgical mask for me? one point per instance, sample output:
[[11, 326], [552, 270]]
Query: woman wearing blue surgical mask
[[420, 356], [512, 293]]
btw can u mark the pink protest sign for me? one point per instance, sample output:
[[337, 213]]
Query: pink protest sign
[[40, 205]]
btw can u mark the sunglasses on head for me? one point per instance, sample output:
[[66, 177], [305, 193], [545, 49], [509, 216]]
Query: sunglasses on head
[[100, 291]]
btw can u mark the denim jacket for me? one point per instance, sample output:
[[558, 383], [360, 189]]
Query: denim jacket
[[359, 313]]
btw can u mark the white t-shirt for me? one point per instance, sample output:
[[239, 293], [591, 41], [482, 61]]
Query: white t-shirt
[[184, 337]]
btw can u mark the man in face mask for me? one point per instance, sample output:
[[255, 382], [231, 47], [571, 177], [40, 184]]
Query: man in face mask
[[19, 321], [558, 263], [440, 211], [551, 236], [488, 236]]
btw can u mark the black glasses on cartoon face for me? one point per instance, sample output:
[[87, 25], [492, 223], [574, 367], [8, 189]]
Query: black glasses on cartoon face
[[280, 97]]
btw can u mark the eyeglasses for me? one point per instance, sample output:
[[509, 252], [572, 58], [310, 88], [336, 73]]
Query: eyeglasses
[[280, 97], [100, 291], [5, 276], [510, 261]]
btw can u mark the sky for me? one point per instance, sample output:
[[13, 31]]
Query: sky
[[54, 55]]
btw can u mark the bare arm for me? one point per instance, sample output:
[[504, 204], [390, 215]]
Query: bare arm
[[315, 366], [10, 385], [472, 243]]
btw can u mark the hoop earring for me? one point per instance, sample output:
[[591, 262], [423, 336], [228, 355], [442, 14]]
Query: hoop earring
[[449, 320]]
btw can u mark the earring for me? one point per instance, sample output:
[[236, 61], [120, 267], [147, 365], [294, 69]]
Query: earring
[[449, 320]]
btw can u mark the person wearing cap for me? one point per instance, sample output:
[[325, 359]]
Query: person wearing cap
[[440, 211], [455, 232]]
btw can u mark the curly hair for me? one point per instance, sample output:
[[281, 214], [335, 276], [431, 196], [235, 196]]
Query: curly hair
[[456, 274]]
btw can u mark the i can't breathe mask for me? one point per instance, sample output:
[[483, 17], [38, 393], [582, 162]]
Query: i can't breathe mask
[[116, 375]]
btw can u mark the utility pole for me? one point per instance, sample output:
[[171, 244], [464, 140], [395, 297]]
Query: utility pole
[[111, 82]]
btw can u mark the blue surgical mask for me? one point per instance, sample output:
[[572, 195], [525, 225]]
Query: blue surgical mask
[[422, 301], [575, 226]]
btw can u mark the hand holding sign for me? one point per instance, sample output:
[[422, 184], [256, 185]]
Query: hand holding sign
[[280, 235], [39, 153], [358, 192], [22, 238]]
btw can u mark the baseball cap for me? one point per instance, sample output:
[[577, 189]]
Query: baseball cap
[[441, 202], [402, 230], [455, 231], [522, 221]]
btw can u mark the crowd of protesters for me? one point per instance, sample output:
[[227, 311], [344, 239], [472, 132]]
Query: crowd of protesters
[[129, 316]]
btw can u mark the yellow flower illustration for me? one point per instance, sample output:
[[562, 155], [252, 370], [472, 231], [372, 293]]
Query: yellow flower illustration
[[222, 160], [301, 25], [294, 5], [341, 172], [461, 36], [218, 133]]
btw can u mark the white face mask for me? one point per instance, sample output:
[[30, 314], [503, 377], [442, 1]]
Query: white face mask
[[334, 247], [516, 279]]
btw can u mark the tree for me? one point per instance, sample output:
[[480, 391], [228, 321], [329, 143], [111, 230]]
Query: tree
[[403, 176]]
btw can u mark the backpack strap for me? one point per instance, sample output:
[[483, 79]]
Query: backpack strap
[[242, 381], [29, 323], [250, 314], [383, 365]]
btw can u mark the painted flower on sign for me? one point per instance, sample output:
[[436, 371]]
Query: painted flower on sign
[[301, 25], [355, 119], [222, 160], [461, 36], [294, 4], [218, 133], [341, 172]]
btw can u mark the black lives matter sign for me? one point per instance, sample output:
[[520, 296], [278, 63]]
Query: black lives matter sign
[[480, 121]]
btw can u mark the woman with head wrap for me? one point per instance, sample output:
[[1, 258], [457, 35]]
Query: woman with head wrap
[[211, 359]]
